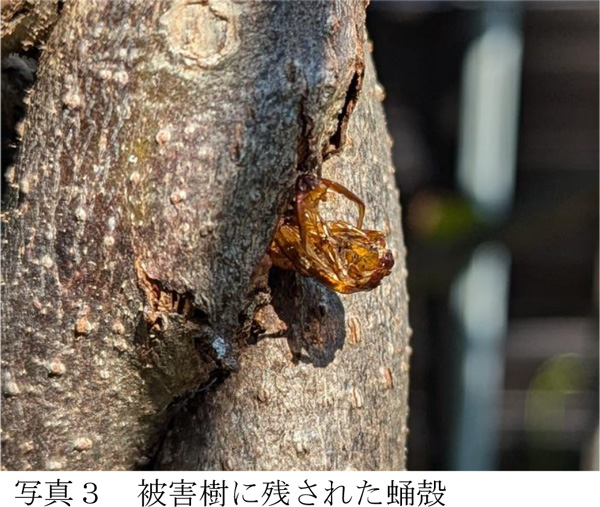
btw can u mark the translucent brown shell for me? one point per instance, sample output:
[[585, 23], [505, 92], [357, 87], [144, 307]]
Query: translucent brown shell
[[341, 256]]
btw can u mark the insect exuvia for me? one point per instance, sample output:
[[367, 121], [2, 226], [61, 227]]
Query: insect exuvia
[[341, 256]]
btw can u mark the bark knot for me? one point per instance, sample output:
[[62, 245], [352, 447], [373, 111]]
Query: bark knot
[[202, 33]]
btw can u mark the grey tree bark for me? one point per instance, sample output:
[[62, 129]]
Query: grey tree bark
[[141, 324]]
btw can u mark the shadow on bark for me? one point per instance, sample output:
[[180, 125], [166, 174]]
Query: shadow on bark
[[314, 316]]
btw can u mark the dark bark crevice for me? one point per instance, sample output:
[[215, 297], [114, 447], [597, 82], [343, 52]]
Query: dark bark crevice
[[337, 140]]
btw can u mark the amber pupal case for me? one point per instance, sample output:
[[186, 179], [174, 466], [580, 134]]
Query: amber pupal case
[[341, 256]]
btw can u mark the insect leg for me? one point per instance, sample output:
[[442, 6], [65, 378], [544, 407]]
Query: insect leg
[[336, 187]]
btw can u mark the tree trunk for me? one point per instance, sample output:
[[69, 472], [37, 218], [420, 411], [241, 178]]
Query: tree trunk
[[141, 327]]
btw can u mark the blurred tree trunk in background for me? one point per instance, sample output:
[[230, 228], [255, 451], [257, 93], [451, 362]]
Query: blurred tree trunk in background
[[141, 327]]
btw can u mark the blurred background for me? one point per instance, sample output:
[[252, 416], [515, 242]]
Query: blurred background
[[493, 108]]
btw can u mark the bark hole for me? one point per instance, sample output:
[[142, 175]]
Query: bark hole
[[162, 300]]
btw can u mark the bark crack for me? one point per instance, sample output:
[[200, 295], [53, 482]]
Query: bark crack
[[303, 149], [163, 300], [338, 139]]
